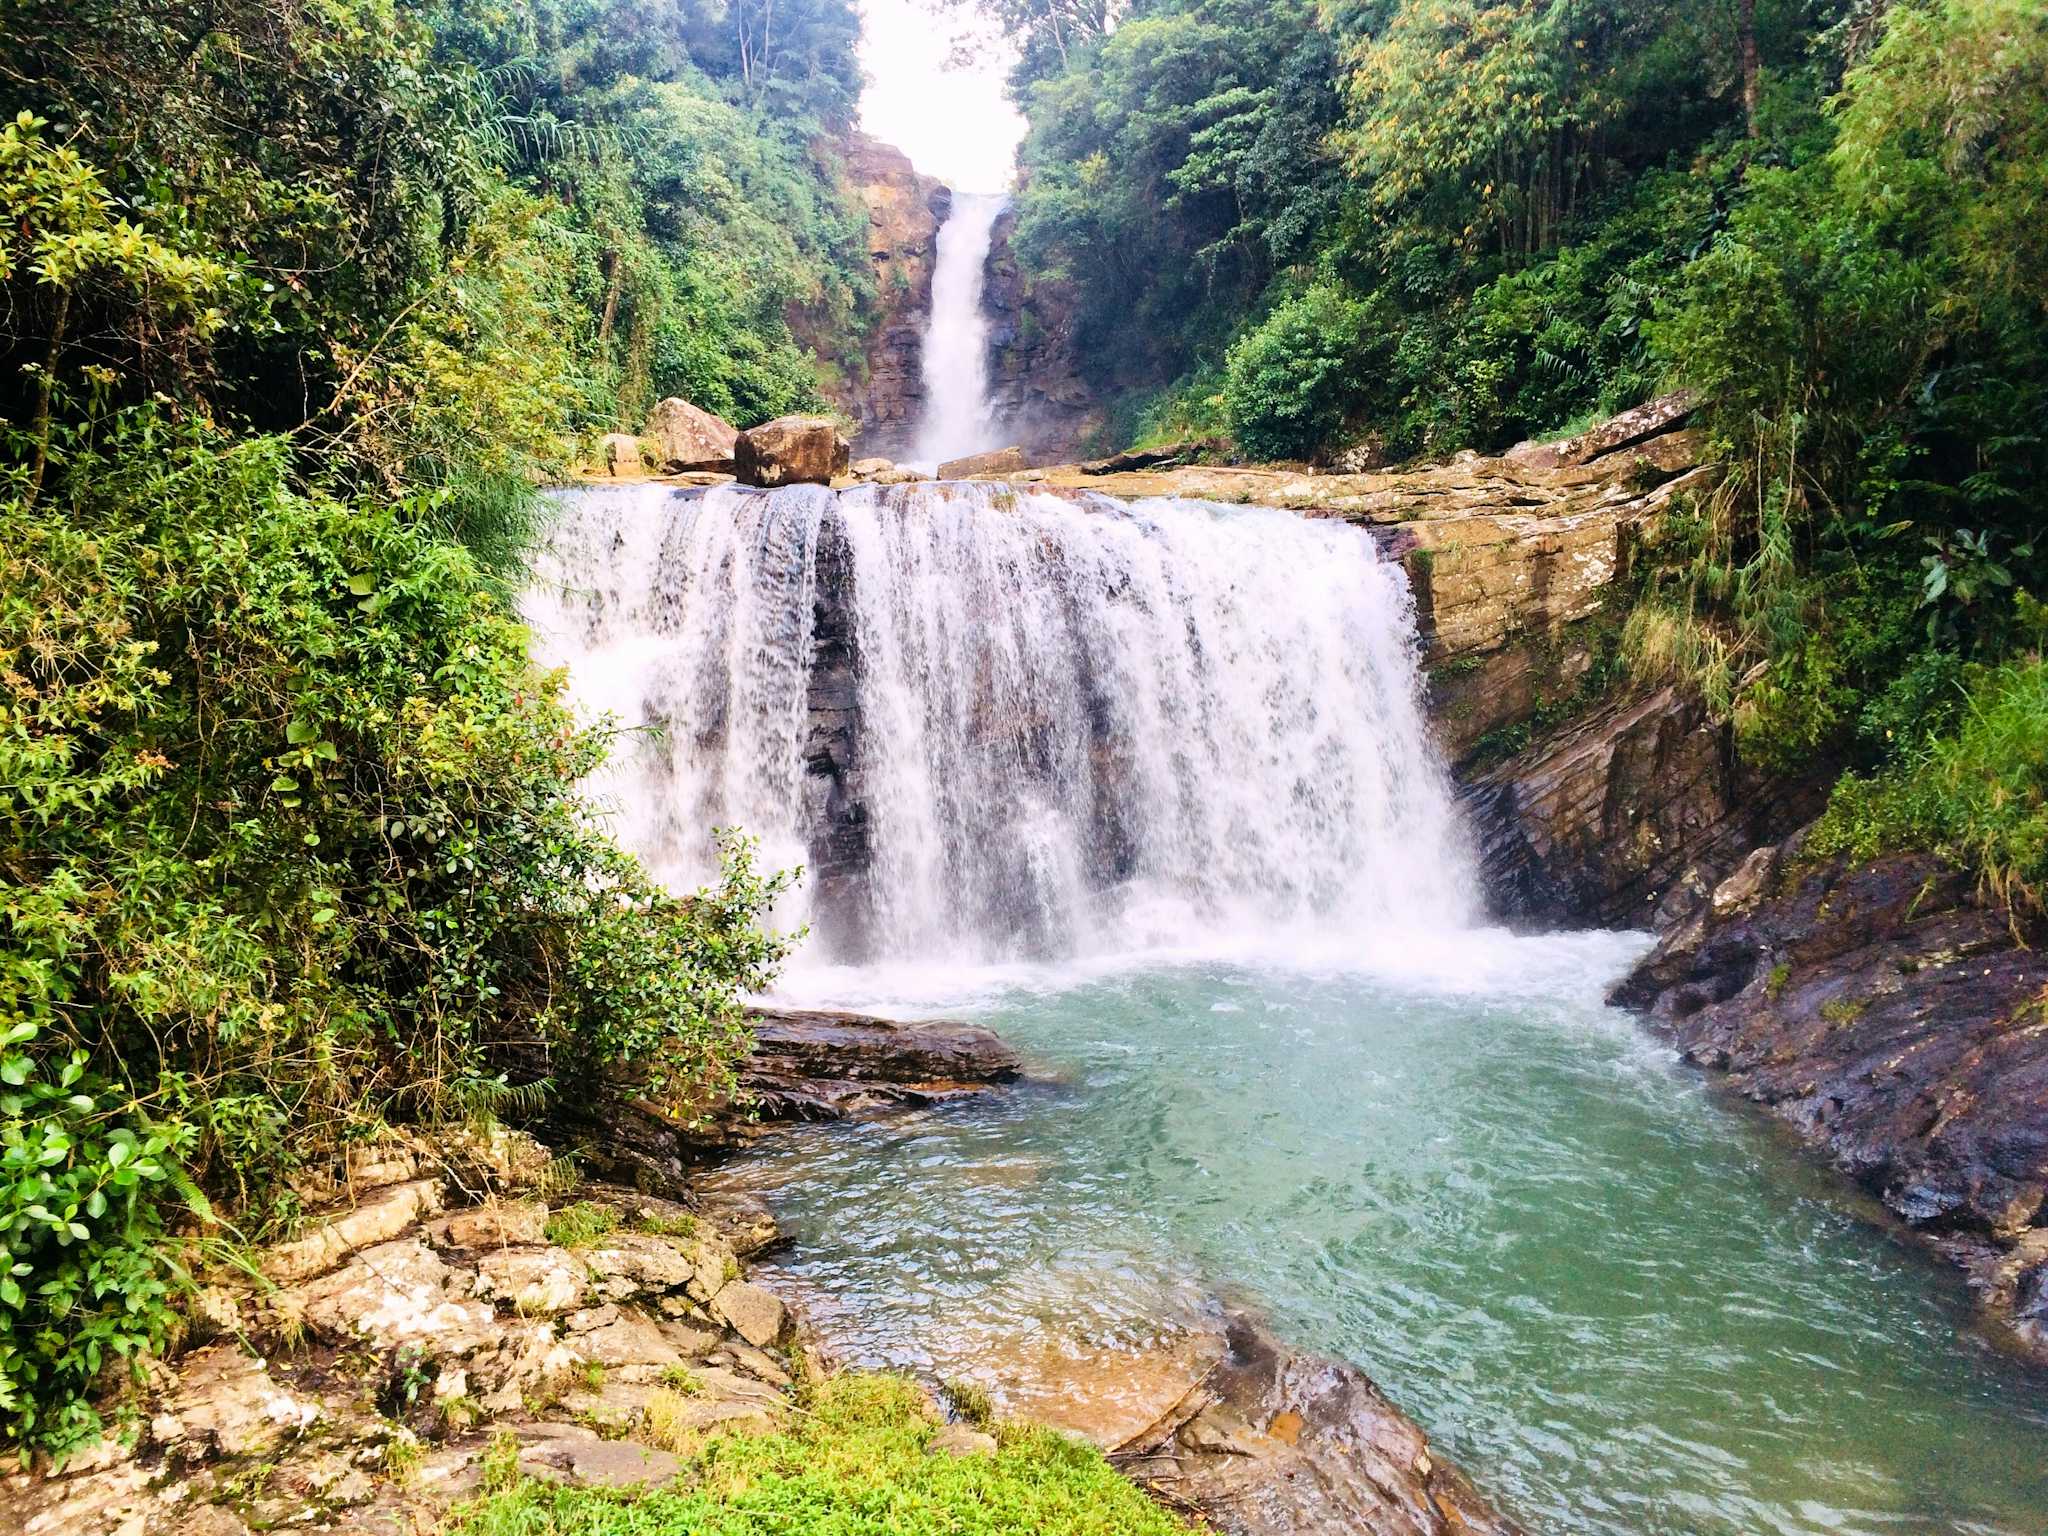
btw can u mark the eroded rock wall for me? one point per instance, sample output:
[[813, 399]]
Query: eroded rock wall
[[1035, 382], [904, 211]]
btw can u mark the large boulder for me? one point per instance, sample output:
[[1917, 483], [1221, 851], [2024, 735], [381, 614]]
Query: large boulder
[[1000, 461], [791, 450], [686, 437]]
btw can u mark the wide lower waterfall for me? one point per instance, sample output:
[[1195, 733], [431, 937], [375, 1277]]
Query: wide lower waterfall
[[957, 417], [996, 723]]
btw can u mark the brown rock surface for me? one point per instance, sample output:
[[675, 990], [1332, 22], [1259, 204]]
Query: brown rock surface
[[1899, 1025], [791, 450], [1269, 1441], [683, 436], [1623, 817], [904, 210], [997, 461]]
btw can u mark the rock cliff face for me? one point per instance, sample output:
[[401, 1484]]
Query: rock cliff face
[[1899, 1025], [1035, 381], [904, 213]]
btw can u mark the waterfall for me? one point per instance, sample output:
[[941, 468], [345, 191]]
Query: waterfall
[[957, 417], [999, 723]]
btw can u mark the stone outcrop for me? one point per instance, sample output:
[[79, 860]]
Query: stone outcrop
[[1653, 418], [806, 1065], [365, 1393], [904, 212], [1899, 1024], [1269, 1441], [998, 461], [791, 450], [1625, 817], [1036, 387], [823, 1065], [682, 436]]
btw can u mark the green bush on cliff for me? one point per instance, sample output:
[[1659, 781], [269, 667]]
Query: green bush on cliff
[[1978, 795], [856, 1464]]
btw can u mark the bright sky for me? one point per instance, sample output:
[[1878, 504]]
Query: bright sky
[[955, 124]]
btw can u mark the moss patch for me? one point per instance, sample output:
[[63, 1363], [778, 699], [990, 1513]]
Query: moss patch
[[856, 1466]]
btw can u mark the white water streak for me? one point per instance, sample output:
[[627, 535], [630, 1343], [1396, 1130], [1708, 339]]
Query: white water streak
[[957, 415]]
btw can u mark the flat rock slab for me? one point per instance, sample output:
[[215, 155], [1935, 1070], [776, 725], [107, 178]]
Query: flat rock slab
[[569, 1454]]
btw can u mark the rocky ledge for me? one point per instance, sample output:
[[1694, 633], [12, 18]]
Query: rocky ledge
[[806, 1065], [1899, 1024], [407, 1350], [1269, 1441], [384, 1356]]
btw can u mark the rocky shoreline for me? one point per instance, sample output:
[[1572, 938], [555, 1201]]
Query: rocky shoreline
[[408, 1348], [1898, 1023]]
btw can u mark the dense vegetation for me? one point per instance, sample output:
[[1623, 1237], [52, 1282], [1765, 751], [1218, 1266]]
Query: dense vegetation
[[301, 300], [856, 1462], [1406, 227]]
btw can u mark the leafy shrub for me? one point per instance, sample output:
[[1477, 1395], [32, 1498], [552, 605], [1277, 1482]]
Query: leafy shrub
[[89, 1274], [1290, 382], [1979, 795]]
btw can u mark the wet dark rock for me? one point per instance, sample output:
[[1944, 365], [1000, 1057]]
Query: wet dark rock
[[1896, 1021], [1625, 817], [806, 1066], [819, 1065], [1036, 385], [1270, 1441]]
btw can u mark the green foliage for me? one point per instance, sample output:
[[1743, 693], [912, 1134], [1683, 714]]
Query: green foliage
[[89, 1277], [1978, 794], [1291, 381], [292, 840], [856, 1463], [581, 1224]]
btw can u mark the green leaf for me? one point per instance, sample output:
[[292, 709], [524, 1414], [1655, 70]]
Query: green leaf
[[299, 732], [362, 584]]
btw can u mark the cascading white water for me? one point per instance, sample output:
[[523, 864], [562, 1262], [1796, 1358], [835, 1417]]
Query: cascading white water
[[692, 632], [1075, 725], [957, 417]]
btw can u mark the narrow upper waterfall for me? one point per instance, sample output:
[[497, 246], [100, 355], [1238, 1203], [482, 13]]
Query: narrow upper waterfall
[[996, 723], [957, 418]]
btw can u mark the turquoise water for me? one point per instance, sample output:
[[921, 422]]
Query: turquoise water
[[1621, 1304]]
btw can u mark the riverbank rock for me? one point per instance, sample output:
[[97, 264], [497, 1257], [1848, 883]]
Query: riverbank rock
[[1270, 1442], [1000, 461], [685, 437], [365, 1395], [791, 450], [806, 1065], [1899, 1024]]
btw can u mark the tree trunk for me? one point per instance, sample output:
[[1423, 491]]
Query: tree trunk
[[39, 429], [1746, 11], [614, 278]]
